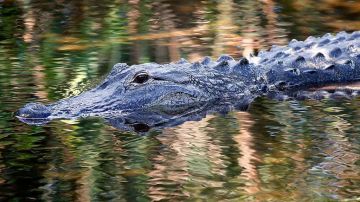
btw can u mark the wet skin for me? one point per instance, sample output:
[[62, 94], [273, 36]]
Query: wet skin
[[300, 70]]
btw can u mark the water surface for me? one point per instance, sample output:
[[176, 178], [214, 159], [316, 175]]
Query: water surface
[[276, 151]]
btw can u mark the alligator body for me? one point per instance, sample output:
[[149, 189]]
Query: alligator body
[[284, 72]]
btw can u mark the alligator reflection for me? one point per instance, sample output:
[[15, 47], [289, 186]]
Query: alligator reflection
[[145, 120]]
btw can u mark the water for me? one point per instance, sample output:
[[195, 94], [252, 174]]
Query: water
[[276, 151]]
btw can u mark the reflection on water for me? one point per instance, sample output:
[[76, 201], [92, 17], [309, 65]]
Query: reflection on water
[[277, 151]]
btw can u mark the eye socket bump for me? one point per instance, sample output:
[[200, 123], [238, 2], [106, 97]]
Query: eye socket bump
[[141, 78]]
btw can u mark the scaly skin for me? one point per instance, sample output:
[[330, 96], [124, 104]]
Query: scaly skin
[[282, 73]]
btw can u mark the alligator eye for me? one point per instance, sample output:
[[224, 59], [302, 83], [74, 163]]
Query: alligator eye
[[141, 78]]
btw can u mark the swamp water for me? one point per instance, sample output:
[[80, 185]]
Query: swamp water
[[276, 151]]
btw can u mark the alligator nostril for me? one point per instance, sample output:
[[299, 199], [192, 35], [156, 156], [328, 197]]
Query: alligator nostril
[[34, 110]]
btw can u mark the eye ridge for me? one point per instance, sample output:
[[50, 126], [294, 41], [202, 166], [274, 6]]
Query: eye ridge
[[141, 78]]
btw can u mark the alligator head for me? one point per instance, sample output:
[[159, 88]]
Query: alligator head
[[167, 88]]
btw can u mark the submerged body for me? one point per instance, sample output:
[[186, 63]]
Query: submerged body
[[283, 72]]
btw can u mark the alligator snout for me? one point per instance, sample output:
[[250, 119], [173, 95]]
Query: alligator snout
[[34, 111]]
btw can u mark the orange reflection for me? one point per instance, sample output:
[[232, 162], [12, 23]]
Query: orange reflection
[[248, 155], [29, 22], [40, 82]]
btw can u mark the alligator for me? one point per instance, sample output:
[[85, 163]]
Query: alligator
[[300, 70]]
